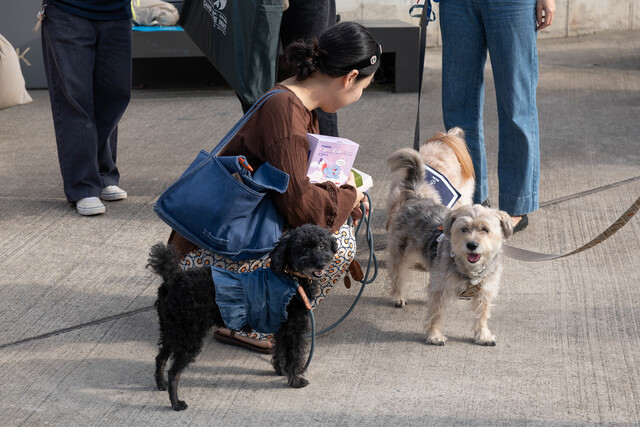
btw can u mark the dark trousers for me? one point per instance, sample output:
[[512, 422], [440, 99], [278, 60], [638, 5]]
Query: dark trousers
[[88, 67], [307, 19]]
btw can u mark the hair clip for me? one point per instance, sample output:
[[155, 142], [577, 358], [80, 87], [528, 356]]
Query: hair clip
[[374, 58]]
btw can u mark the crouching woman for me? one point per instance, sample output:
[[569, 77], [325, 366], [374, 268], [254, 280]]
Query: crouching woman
[[330, 73]]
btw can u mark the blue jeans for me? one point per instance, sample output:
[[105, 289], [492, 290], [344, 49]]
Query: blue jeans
[[507, 29], [88, 68]]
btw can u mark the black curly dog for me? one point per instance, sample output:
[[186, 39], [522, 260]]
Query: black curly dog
[[187, 308]]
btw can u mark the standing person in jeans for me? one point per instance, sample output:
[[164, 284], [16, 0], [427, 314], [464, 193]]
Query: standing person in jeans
[[508, 31], [87, 57]]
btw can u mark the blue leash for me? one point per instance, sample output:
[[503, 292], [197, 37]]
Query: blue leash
[[373, 261], [313, 340]]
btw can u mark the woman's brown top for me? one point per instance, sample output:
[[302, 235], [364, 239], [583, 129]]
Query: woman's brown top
[[277, 133]]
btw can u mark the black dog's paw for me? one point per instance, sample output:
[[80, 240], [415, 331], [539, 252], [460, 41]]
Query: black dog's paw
[[298, 382], [180, 406], [161, 383], [277, 366]]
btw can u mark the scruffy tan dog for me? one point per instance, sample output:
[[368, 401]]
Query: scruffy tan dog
[[461, 248], [468, 263]]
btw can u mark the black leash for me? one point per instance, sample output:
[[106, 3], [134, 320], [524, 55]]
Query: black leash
[[425, 17]]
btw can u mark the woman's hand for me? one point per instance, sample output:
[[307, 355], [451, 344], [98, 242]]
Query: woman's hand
[[549, 9], [360, 198]]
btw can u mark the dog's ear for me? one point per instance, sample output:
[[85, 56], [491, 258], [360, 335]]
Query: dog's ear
[[448, 222], [505, 224], [456, 131], [279, 254]]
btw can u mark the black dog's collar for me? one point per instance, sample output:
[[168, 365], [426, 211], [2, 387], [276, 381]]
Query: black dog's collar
[[303, 294], [295, 274]]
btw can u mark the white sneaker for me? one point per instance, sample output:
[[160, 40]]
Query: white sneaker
[[90, 206], [113, 192]]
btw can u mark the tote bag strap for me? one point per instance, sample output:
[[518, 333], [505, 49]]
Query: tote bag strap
[[242, 121]]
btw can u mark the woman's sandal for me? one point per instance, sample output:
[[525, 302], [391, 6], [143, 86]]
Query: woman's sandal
[[521, 225], [232, 340]]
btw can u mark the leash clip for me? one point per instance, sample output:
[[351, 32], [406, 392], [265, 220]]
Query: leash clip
[[300, 289], [40, 16], [430, 16]]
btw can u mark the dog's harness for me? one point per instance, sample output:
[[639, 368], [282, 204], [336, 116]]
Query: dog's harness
[[448, 193], [473, 287], [258, 299]]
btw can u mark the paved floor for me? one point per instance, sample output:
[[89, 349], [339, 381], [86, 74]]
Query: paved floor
[[78, 335]]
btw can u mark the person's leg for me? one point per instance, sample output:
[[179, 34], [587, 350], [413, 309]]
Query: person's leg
[[464, 53], [245, 106], [327, 123], [336, 270], [308, 19], [256, 341], [112, 91], [68, 49], [334, 273], [511, 38]]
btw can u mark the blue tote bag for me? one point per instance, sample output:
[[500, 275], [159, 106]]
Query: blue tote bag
[[219, 205]]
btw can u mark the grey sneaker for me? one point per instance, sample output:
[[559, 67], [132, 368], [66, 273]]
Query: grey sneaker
[[113, 192], [90, 206]]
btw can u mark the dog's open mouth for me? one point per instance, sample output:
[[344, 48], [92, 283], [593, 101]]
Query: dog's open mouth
[[317, 274], [473, 258]]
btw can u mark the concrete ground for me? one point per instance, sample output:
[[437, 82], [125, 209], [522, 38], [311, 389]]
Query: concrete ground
[[78, 336]]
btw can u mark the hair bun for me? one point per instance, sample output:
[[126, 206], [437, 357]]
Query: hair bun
[[315, 51], [304, 57], [342, 48]]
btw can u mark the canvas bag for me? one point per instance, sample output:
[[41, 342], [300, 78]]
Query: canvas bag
[[240, 38], [212, 208], [12, 88]]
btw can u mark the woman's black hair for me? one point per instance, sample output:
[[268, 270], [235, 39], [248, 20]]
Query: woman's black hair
[[342, 48]]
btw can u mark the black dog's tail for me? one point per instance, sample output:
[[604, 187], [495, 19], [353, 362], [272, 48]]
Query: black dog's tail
[[163, 260]]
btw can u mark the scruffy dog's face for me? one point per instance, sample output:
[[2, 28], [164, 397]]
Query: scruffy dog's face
[[476, 235], [306, 250]]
